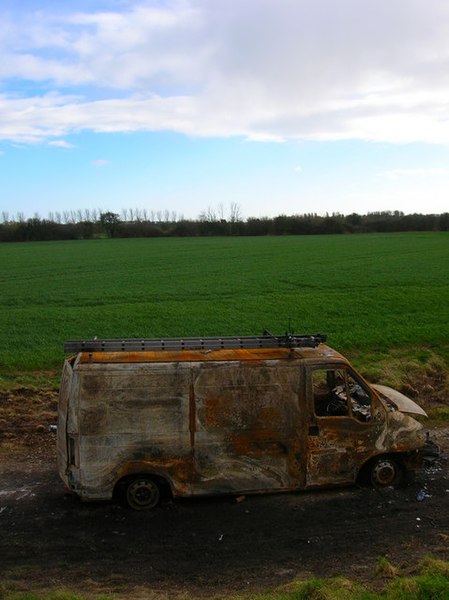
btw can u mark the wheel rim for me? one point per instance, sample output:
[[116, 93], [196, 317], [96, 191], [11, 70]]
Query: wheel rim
[[142, 494], [384, 472]]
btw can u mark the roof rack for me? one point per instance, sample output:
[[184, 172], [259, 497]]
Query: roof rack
[[200, 343]]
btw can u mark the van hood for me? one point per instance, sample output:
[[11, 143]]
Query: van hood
[[399, 401]]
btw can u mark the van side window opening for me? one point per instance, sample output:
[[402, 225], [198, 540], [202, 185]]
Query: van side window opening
[[338, 393]]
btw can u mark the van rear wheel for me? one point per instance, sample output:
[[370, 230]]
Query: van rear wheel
[[142, 493], [385, 471]]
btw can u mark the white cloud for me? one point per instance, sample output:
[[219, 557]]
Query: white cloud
[[61, 144], [100, 162], [295, 69]]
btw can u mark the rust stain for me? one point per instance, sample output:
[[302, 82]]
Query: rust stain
[[257, 354], [192, 415]]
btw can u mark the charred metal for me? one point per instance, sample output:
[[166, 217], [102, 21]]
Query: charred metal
[[226, 420]]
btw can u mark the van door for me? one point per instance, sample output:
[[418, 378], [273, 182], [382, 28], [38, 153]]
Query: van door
[[346, 419], [249, 429]]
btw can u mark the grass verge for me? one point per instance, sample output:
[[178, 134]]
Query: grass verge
[[421, 373], [429, 581]]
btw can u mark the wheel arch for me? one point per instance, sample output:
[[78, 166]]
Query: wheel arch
[[398, 459], [133, 471]]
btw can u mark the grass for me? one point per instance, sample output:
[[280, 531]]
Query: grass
[[430, 581], [420, 373], [369, 293]]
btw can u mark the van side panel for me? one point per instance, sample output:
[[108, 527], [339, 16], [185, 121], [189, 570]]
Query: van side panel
[[248, 427], [215, 427], [133, 418]]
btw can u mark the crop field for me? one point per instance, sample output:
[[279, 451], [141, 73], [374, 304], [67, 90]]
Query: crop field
[[369, 293]]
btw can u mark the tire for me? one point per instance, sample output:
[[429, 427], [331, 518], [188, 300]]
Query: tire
[[142, 493], [384, 472]]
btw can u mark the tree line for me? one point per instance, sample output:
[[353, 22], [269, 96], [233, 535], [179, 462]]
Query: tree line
[[89, 224]]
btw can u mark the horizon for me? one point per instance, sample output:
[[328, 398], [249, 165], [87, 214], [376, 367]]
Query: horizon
[[135, 215]]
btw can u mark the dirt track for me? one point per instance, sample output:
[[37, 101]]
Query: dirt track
[[213, 546]]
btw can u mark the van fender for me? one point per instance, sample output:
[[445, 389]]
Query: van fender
[[409, 463], [383, 470], [146, 468]]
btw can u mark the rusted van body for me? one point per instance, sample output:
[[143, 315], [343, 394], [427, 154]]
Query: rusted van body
[[226, 421]]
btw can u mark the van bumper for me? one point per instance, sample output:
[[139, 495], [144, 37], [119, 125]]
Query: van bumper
[[419, 463], [430, 452]]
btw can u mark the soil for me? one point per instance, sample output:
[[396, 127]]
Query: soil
[[201, 548]]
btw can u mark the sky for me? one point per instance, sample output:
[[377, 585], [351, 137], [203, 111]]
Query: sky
[[276, 106]]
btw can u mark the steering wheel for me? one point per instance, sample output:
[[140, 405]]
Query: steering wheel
[[337, 407]]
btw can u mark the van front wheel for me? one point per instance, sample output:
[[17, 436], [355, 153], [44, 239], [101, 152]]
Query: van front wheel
[[385, 471], [142, 493]]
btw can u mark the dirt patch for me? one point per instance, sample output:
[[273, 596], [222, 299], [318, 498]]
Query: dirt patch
[[203, 547], [26, 416]]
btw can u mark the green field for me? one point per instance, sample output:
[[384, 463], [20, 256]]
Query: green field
[[369, 293]]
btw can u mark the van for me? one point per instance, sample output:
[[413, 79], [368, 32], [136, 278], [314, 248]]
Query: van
[[151, 418]]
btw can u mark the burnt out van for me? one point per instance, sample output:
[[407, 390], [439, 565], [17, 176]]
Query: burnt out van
[[153, 418]]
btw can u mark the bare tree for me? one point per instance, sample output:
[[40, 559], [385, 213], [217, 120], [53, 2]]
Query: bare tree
[[208, 215], [235, 214]]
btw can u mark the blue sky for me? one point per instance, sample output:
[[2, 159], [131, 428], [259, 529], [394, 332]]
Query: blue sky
[[285, 107]]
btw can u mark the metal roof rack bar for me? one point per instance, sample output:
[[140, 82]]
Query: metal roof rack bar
[[194, 343]]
